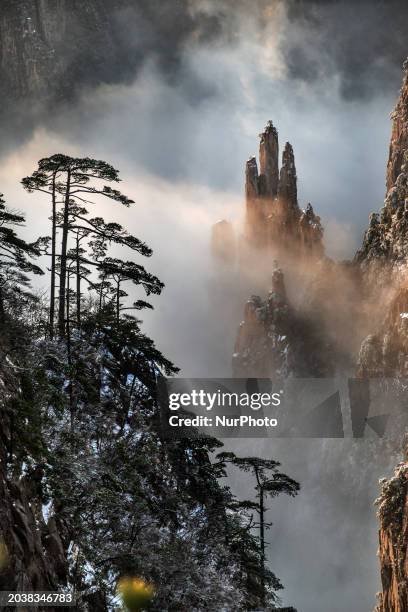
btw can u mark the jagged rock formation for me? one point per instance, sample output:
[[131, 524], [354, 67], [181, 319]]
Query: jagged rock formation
[[223, 244], [383, 259], [399, 136], [276, 341], [393, 540], [273, 219], [386, 237], [273, 216], [262, 345], [385, 352], [268, 180], [287, 188], [385, 241], [273, 339], [361, 307]]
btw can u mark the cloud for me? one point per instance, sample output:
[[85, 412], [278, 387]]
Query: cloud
[[54, 53], [363, 43]]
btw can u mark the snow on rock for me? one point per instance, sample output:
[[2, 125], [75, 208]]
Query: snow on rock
[[393, 541]]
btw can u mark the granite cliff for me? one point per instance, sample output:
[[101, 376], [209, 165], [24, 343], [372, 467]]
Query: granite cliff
[[393, 541], [39, 63], [276, 340], [385, 240], [383, 258], [273, 216], [275, 225]]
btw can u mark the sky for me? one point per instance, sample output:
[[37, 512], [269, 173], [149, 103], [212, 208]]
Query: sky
[[178, 110]]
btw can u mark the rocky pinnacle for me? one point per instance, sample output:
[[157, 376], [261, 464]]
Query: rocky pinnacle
[[269, 161], [399, 134]]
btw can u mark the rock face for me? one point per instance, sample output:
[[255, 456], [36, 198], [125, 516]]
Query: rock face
[[393, 540], [385, 241], [385, 352], [383, 260], [287, 189], [273, 217], [399, 136], [274, 341], [386, 237], [268, 181], [39, 59]]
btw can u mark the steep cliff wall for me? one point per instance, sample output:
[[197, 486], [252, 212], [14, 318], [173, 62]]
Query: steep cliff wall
[[384, 352], [49, 49], [275, 340], [393, 541], [399, 135], [385, 241], [383, 260]]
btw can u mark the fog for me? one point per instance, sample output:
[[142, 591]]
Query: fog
[[181, 144]]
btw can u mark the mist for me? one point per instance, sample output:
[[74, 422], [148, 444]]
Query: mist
[[183, 164], [180, 133]]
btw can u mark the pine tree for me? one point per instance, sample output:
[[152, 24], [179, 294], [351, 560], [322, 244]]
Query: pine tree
[[269, 482], [15, 257], [70, 182], [85, 424]]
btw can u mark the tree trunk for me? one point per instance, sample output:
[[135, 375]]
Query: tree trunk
[[71, 382], [100, 296], [262, 537], [68, 325], [78, 283], [261, 532], [63, 274], [2, 313], [53, 249], [117, 302]]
